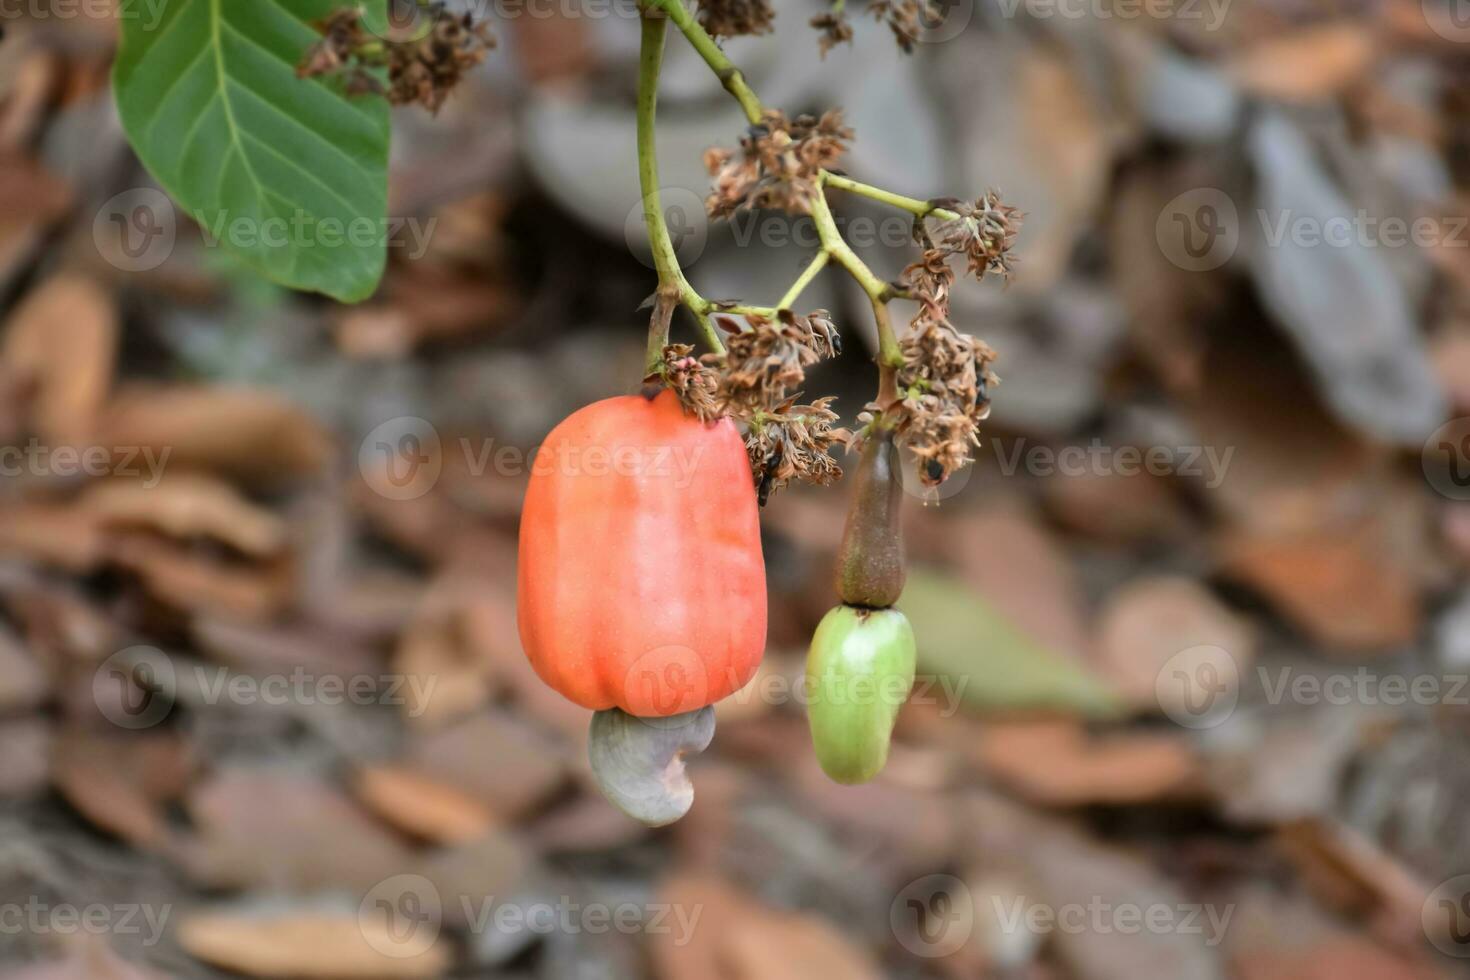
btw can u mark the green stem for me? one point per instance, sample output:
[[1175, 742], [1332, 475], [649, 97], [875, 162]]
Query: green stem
[[916, 207], [670, 276], [723, 67], [804, 280]]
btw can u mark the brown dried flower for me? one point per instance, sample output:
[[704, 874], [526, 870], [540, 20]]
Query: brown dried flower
[[778, 165], [696, 385], [983, 232], [836, 29], [944, 394], [793, 443], [422, 69], [905, 18], [755, 375], [733, 18]]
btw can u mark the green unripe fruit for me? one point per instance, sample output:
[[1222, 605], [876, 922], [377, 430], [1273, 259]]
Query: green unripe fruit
[[870, 565], [858, 673]]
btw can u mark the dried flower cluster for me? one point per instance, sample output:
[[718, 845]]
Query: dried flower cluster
[[779, 164], [983, 233], [906, 18], [696, 383], [752, 382], [944, 395], [733, 18], [836, 29], [423, 68], [944, 383]]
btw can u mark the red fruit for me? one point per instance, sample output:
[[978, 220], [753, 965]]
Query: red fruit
[[641, 579]]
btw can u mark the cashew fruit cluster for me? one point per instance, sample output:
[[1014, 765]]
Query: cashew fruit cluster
[[860, 668], [642, 597]]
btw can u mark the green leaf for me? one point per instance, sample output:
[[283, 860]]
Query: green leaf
[[964, 638], [291, 174]]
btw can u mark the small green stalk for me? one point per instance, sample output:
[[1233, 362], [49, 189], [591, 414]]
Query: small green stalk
[[818, 263], [916, 207], [670, 276], [723, 67]]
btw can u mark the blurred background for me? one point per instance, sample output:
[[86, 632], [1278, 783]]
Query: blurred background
[[1194, 632]]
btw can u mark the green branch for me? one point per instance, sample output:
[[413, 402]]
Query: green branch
[[723, 67], [671, 282]]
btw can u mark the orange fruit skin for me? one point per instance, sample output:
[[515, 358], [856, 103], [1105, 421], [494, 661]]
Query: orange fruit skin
[[641, 580]]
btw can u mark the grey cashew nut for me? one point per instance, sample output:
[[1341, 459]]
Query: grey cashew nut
[[639, 762]]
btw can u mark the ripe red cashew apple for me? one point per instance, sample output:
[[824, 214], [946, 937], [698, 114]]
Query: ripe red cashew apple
[[642, 588]]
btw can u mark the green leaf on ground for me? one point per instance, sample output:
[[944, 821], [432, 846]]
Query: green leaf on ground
[[994, 665], [289, 173]]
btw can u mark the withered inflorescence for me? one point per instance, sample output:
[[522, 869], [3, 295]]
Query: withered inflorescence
[[779, 164], [945, 381], [733, 18], [752, 382], [423, 67]]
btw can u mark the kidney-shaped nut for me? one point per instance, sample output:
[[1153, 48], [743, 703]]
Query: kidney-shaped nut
[[639, 762]]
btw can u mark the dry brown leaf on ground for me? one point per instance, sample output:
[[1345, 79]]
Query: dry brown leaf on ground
[[332, 945], [31, 199], [448, 679], [489, 625], [187, 580], [187, 505], [284, 830], [1149, 624], [1342, 586], [493, 757], [62, 340], [256, 648], [1020, 567], [238, 431], [23, 682], [422, 807], [1309, 65], [122, 783], [1056, 763], [1292, 466], [86, 957], [1119, 508], [25, 757], [1352, 875], [1341, 958], [738, 938]]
